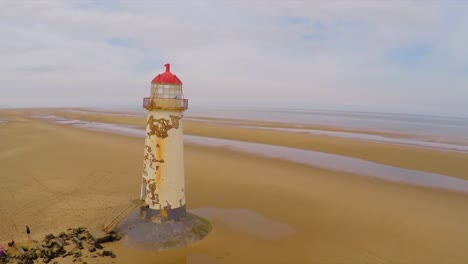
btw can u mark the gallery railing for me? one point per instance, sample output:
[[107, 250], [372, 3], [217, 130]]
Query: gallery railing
[[165, 103]]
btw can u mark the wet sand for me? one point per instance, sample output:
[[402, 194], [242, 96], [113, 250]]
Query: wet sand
[[301, 156], [55, 176], [449, 163]]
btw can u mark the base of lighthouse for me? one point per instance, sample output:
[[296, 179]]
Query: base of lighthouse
[[142, 233]]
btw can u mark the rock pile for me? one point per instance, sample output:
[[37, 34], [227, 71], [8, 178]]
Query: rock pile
[[76, 243]]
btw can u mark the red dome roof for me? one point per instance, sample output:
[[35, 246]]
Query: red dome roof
[[167, 77]]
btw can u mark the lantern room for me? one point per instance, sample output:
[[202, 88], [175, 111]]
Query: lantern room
[[166, 92]]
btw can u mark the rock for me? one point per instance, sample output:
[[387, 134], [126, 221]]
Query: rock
[[49, 236], [76, 240], [20, 250], [54, 246], [51, 243], [32, 255], [104, 239], [69, 253], [98, 246], [48, 253], [57, 251], [60, 242]]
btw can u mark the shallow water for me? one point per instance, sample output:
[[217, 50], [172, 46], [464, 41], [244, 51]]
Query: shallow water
[[307, 157], [246, 221], [372, 138], [337, 163], [127, 130]]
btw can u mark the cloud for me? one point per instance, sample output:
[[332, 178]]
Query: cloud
[[395, 56]]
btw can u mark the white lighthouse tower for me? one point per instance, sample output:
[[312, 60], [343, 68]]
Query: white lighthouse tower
[[162, 186], [161, 221]]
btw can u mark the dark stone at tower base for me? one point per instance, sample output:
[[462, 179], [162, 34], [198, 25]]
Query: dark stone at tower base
[[142, 233]]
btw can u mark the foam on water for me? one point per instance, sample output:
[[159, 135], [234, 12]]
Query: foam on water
[[307, 157]]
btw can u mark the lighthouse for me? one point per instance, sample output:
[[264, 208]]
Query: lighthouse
[[163, 186], [158, 219]]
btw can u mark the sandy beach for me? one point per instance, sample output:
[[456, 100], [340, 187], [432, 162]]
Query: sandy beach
[[263, 210]]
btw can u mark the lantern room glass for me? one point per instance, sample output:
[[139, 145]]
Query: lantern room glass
[[166, 91]]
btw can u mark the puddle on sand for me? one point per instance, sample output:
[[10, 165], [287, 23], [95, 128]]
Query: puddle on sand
[[246, 221]]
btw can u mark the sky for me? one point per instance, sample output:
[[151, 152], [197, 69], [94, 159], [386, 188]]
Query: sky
[[384, 56]]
